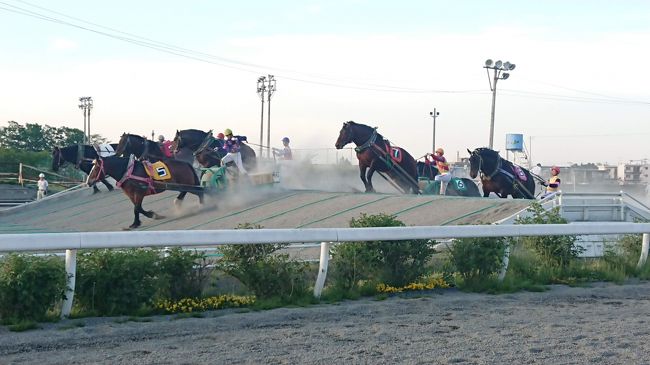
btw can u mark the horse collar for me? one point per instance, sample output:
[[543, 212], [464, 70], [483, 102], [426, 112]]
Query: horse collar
[[369, 142]]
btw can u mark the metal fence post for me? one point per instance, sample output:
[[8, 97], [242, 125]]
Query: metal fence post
[[644, 250], [322, 268], [71, 271]]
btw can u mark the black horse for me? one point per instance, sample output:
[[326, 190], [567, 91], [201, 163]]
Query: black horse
[[142, 148], [500, 176], [136, 183], [376, 154], [81, 156], [203, 145]]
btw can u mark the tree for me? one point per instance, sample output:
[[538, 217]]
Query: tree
[[36, 137]]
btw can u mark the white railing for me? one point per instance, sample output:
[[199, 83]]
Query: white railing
[[71, 242]]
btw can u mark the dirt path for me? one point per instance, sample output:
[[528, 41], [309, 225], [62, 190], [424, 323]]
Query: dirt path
[[601, 324]]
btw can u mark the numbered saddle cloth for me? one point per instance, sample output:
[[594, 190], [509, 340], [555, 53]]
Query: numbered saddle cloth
[[521, 175], [395, 153], [157, 170]]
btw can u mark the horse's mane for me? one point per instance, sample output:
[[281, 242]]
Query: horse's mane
[[367, 128]]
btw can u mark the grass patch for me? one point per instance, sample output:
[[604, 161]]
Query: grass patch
[[24, 325]]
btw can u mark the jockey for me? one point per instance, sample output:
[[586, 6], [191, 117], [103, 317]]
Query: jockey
[[165, 146], [553, 184], [443, 169], [231, 146], [284, 153], [220, 148]]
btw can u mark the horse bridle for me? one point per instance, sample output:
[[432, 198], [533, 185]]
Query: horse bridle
[[480, 166], [98, 161]]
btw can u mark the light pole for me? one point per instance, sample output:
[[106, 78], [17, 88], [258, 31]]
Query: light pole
[[434, 114], [269, 91], [86, 104], [499, 74], [261, 89]]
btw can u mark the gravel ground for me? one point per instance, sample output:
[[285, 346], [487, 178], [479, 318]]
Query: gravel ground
[[601, 324]]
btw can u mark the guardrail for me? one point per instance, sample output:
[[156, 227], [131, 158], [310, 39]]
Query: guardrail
[[71, 242]]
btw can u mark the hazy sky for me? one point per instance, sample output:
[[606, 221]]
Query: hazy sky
[[581, 88]]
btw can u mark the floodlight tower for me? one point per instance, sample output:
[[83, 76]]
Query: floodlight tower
[[499, 74], [433, 115], [86, 104]]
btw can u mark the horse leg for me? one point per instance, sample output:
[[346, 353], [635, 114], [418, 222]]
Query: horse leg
[[371, 171], [107, 184], [362, 174], [95, 189], [137, 207], [486, 190], [179, 199]]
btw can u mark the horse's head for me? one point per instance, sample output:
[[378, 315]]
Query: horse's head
[[474, 163], [96, 173], [122, 145], [57, 160], [176, 143], [345, 136]]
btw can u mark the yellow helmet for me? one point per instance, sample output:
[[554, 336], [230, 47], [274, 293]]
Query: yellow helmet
[[227, 132], [442, 152]]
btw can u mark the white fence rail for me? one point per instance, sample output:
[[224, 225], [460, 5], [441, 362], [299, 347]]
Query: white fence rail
[[71, 242]]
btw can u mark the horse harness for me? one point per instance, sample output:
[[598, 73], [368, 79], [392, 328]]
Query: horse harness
[[128, 175]]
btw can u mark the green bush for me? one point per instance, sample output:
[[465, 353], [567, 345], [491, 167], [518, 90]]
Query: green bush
[[183, 274], [112, 282], [263, 271], [30, 286], [476, 259], [554, 250], [395, 263]]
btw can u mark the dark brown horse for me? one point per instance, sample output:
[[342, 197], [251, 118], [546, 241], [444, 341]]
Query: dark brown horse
[[81, 157], [142, 148], [500, 176], [376, 154], [208, 150], [136, 184]]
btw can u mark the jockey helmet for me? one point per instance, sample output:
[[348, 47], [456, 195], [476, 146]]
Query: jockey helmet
[[440, 150], [161, 138], [220, 136], [41, 175], [556, 169], [285, 139], [227, 132]]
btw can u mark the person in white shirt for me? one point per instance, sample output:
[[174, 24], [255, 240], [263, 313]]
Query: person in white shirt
[[537, 169], [42, 186]]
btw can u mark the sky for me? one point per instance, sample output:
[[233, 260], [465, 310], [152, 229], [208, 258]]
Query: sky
[[579, 92]]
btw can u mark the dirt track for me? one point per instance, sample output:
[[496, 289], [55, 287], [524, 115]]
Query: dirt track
[[602, 324]]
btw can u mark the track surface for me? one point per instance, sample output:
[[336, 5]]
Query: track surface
[[270, 207]]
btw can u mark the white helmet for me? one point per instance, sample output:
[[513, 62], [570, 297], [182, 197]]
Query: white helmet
[[41, 175]]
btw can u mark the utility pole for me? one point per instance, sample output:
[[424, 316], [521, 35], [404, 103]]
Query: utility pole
[[261, 89], [434, 114], [270, 91], [498, 68], [86, 104]]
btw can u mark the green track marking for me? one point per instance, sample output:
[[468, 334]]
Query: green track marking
[[84, 211], [299, 207], [469, 214], [245, 210], [414, 207], [119, 211], [343, 211]]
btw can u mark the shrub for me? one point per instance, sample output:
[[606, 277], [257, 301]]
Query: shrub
[[112, 282], [264, 271], [183, 274], [389, 262], [555, 250], [29, 286], [477, 258]]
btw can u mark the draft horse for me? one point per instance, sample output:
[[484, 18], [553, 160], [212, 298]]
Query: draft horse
[[376, 154], [203, 145], [136, 183], [81, 156], [140, 147], [500, 176]]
